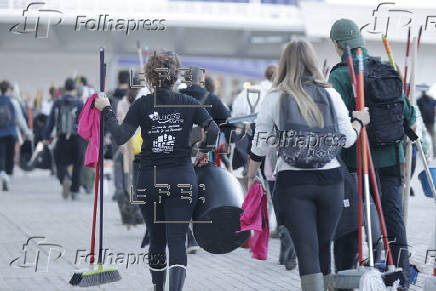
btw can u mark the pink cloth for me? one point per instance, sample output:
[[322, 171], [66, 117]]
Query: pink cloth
[[255, 217], [89, 129]]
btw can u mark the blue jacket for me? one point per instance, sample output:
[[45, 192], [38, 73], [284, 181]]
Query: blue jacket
[[11, 129], [51, 121]]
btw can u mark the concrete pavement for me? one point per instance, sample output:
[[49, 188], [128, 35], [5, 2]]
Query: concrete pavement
[[34, 208]]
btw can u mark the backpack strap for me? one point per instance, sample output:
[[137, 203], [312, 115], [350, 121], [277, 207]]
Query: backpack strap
[[338, 65], [204, 98]]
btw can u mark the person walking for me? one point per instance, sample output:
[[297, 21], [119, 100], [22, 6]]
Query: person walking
[[70, 147], [427, 106], [217, 110], [8, 135], [310, 124], [386, 149], [115, 97], [167, 178]]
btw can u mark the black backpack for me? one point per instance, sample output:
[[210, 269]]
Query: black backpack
[[67, 119], [384, 98], [5, 115]]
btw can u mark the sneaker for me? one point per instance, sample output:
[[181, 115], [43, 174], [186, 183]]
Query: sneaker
[[192, 243], [66, 188]]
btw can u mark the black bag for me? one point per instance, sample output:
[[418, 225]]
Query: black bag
[[67, 119], [130, 212], [304, 146], [384, 98], [25, 155], [5, 115], [43, 159], [348, 221]]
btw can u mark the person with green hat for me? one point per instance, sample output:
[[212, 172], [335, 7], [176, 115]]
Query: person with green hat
[[387, 157]]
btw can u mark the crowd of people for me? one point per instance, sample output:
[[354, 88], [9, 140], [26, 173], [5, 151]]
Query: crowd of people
[[154, 137]]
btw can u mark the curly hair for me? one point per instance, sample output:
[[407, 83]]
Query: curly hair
[[161, 69]]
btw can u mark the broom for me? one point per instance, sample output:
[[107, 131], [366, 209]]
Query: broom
[[78, 275], [100, 275]]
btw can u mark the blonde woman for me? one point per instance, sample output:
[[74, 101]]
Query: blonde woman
[[309, 123]]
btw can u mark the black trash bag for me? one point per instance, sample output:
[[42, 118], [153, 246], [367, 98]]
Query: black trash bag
[[25, 155], [43, 159], [220, 198]]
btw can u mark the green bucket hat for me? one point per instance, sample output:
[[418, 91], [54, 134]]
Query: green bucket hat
[[346, 32]]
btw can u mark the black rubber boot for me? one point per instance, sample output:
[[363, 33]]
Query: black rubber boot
[[177, 278], [158, 278]]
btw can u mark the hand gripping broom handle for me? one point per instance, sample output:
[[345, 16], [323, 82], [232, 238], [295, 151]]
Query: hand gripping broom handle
[[100, 157], [359, 158], [363, 137]]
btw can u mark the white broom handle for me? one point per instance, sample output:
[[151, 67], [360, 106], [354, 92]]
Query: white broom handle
[[406, 190], [368, 218]]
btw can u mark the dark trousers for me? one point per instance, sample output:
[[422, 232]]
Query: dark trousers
[[69, 152], [346, 247], [7, 154], [167, 210], [311, 213]]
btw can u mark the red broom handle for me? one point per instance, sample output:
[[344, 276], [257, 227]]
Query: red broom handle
[[359, 106], [377, 200], [406, 62], [94, 216], [359, 159]]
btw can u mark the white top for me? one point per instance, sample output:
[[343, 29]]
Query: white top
[[240, 106], [269, 116]]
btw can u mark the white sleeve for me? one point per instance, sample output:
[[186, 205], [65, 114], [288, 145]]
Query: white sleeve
[[239, 107], [21, 121], [344, 122], [264, 126]]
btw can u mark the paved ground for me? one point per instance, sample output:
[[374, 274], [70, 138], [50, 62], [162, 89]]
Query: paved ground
[[34, 208]]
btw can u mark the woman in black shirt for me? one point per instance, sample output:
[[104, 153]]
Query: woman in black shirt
[[167, 182]]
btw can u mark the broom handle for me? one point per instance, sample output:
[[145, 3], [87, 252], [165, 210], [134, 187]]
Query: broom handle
[[406, 62], [363, 140], [388, 51], [377, 200], [359, 205], [101, 158], [359, 158], [94, 215]]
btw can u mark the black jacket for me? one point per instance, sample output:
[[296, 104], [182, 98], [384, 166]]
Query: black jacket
[[218, 111]]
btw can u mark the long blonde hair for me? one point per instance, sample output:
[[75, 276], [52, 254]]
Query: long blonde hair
[[298, 58]]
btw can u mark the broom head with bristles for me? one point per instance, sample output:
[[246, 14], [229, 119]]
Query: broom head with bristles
[[87, 278]]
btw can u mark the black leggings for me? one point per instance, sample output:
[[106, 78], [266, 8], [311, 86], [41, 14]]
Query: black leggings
[[177, 189], [311, 213], [69, 152], [7, 154]]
